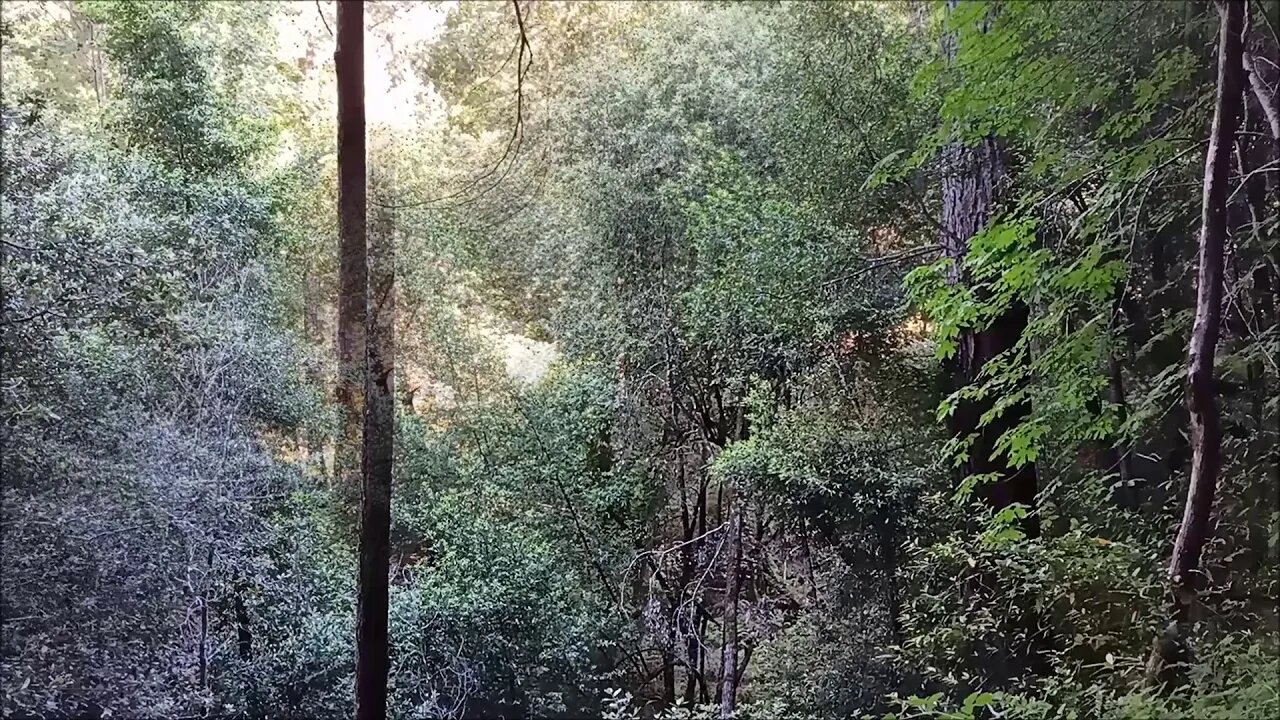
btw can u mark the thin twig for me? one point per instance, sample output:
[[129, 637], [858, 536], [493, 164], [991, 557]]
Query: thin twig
[[322, 18]]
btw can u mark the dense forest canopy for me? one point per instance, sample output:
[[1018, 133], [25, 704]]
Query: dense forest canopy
[[529, 358]]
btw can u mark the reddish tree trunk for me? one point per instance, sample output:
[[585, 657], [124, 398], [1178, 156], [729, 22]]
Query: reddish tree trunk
[[362, 383], [353, 262], [1206, 441], [375, 507]]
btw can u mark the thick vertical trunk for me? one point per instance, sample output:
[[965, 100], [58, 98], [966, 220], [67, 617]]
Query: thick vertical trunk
[[353, 265], [972, 177], [733, 581], [693, 660], [1206, 441]]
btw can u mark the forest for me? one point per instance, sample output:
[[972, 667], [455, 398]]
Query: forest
[[751, 360]]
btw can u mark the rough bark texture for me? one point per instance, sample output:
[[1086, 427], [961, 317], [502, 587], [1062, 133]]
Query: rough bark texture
[[729, 674], [1206, 441], [353, 270], [971, 180], [969, 186]]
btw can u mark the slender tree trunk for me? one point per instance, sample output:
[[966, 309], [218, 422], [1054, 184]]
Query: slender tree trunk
[[244, 632], [353, 270], [1261, 61], [889, 565], [1129, 492], [733, 582], [204, 623], [375, 507], [1250, 245], [364, 384], [687, 562], [1262, 76], [1184, 568], [697, 616], [669, 660], [1119, 453]]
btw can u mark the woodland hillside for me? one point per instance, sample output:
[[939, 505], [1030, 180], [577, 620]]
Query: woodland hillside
[[640, 360]]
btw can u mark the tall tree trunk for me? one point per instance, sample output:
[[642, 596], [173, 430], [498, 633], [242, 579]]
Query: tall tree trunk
[[353, 270], [244, 632], [1119, 453], [972, 177], [733, 582], [375, 507], [889, 566], [669, 665], [361, 387], [968, 200], [1206, 442], [1261, 60], [1250, 244]]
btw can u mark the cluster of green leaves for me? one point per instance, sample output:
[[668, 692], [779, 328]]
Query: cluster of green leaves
[[147, 373], [1101, 127]]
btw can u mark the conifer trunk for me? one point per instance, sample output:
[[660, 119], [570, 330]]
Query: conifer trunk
[[971, 181], [364, 383], [375, 507], [353, 263]]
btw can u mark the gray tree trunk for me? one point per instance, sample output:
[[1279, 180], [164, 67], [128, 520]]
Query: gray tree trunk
[[1170, 649]]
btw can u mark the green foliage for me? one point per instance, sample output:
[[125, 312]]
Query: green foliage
[[171, 108], [141, 365], [699, 281]]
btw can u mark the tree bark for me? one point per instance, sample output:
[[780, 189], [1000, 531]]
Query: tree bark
[[1206, 441], [733, 582], [972, 178], [353, 270], [375, 507], [971, 181], [364, 383], [1261, 76]]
